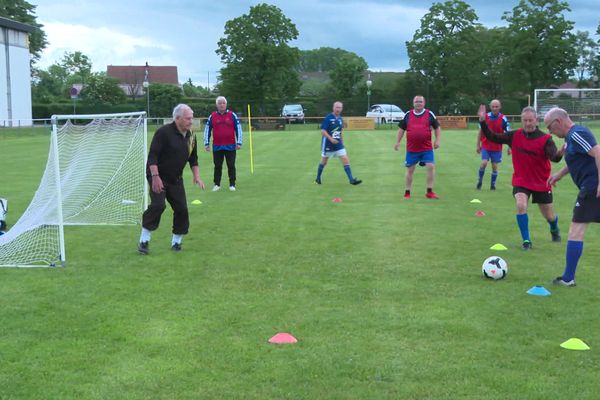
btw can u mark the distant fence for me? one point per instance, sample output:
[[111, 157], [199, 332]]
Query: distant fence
[[309, 123]]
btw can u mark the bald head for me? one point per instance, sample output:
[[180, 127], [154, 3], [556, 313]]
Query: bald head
[[495, 106], [337, 108]]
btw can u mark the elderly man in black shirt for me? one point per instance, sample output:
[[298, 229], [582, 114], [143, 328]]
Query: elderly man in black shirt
[[173, 145]]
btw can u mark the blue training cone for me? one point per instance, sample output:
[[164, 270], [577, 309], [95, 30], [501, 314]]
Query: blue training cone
[[539, 291]]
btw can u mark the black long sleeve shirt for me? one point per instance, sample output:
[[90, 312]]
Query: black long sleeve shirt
[[506, 138], [170, 151]]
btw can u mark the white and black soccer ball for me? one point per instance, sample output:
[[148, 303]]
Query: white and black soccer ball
[[494, 267]]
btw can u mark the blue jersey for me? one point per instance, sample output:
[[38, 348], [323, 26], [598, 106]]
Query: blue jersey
[[333, 125], [582, 166]]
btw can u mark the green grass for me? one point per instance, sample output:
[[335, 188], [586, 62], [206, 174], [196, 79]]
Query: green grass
[[384, 295]]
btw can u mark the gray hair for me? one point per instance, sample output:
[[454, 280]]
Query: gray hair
[[528, 109], [557, 112], [220, 98], [179, 110]]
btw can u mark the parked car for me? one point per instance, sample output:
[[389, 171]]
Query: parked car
[[385, 113], [293, 113]]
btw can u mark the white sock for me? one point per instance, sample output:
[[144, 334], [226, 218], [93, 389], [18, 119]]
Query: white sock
[[176, 239], [146, 235]]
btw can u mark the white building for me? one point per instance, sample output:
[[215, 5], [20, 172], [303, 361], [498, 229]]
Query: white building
[[15, 73]]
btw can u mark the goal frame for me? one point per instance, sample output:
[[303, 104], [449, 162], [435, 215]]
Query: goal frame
[[55, 120]]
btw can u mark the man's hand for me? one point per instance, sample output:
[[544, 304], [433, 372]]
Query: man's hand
[[478, 149], [397, 146], [207, 148], [157, 184], [436, 144], [334, 141], [555, 178], [481, 113], [198, 182]]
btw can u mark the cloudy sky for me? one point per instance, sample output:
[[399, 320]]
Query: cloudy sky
[[185, 32]]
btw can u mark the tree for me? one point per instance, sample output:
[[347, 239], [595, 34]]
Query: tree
[[54, 83], [77, 65], [259, 63], [542, 46], [100, 88], [22, 11], [348, 71], [491, 61], [442, 49], [49, 85], [322, 59], [163, 98], [587, 50], [191, 90]]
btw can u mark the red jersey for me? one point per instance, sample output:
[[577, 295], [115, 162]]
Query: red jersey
[[223, 127], [496, 126], [531, 166], [418, 132]]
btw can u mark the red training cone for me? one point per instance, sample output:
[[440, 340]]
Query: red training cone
[[479, 214], [337, 200]]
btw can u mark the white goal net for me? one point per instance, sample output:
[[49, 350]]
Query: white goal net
[[581, 104], [95, 175]]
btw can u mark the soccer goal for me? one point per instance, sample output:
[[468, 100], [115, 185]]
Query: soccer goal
[[95, 175], [581, 104]]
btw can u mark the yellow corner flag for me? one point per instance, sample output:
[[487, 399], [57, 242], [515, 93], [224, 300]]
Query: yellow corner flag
[[250, 135]]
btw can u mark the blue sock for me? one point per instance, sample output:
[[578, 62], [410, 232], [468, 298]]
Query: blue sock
[[523, 222], [554, 225], [320, 171], [348, 171], [494, 177], [574, 250], [481, 173]]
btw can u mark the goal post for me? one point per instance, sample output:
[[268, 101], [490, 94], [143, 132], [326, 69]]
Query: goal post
[[581, 104], [94, 175]]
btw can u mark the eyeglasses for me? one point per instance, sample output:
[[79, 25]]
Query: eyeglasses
[[549, 126]]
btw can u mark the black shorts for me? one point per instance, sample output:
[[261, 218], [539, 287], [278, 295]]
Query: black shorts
[[587, 208], [536, 197]]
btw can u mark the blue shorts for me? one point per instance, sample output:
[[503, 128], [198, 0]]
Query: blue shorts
[[496, 156], [421, 157]]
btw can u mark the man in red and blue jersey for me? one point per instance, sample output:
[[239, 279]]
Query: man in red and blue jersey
[[498, 123], [582, 156], [532, 151], [417, 124], [332, 143], [227, 138]]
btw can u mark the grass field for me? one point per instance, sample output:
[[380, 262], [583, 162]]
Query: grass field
[[384, 295]]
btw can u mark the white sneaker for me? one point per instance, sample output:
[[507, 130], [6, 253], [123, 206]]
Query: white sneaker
[[232, 188], [216, 188]]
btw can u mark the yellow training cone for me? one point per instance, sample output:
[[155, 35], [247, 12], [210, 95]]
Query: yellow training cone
[[574, 344], [498, 246], [196, 202], [475, 201]]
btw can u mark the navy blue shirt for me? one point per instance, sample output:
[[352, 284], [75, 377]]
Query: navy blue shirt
[[582, 166], [333, 125]]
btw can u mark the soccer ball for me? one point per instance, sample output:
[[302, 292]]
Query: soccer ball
[[494, 267]]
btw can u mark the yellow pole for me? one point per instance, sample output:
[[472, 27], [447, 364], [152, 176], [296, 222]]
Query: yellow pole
[[250, 135]]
